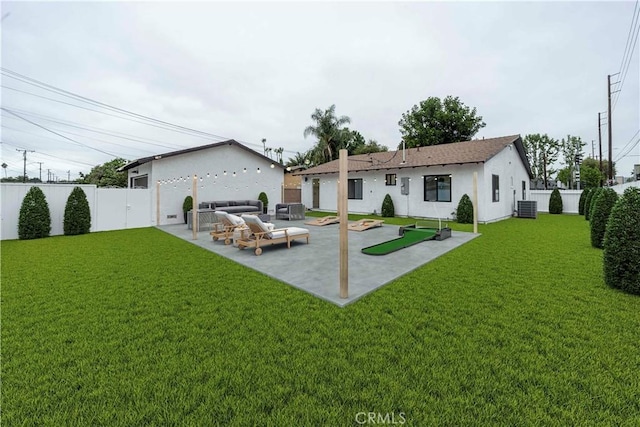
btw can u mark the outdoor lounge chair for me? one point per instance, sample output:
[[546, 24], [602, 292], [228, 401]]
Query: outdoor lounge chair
[[325, 220], [365, 224], [227, 223], [261, 235]]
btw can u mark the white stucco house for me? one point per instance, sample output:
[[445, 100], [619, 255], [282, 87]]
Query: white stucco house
[[428, 182], [225, 170]]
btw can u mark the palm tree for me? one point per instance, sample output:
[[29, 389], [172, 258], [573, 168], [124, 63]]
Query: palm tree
[[328, 130]]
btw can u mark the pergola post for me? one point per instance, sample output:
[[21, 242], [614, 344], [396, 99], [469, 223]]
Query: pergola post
[[344, 230]]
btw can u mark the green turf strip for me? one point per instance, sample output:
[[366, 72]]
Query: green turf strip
[[410, 237]]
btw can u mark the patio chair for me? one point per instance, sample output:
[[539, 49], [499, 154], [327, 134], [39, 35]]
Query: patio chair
[[226, 225], [365, 224], [261, 235], [325, 220]]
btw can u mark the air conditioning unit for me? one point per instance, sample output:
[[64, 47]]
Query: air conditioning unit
[[527, 209]]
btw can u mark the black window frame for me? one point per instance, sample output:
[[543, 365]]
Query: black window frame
[[352, 188], [390, 179], [427, 181], [495, 188]]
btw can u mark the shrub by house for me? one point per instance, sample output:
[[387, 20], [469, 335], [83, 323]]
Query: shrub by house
[[35, 219], [187, 205], [265, 201], [588, 200], [464, 212], [621, 256], [77, 215], [388, 210]]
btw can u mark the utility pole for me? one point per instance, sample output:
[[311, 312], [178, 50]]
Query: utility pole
[[24, 156], [40, 163], [600, 139], [48, 176], [609, 120], [68, 176], [593, 150]]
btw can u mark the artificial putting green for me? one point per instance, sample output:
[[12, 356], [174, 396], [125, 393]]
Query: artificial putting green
[[410, 237]]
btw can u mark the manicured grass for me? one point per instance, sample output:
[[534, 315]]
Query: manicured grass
[[137, 327]]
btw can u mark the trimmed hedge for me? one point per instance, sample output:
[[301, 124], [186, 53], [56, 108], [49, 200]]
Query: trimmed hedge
[[600, 215], [589, 201], [388, 210], [187, 205], [35, 219], [555, 202], [583, 197], [621, 255], [464, 212], [77, 215], [595, 196]]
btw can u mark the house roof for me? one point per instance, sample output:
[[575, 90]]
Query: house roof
[[144, 160], [458, 153]]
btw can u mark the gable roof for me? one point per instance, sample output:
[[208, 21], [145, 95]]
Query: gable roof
[[458, 153], [144, 160]]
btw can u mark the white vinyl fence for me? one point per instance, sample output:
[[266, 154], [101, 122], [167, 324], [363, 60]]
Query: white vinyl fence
[[570, 198], [111, 208]]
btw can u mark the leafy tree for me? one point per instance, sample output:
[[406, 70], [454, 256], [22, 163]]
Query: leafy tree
[[299, 159], [583, 198], [330, 133], [564, 176], [434, 121], [590, 171], [464, 212], [35, 219], [351, 140], [600, 215], [555, 202], [388, 209], [571, 147], [621, 256], [370, 147], [77, 215], [542, 151], [106, 175]]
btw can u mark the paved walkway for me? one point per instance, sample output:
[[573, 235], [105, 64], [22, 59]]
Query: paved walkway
[[315, 267]]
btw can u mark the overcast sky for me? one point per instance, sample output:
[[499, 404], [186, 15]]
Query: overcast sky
[[249, 71]]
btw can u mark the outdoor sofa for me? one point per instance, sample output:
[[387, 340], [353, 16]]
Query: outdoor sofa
[[290, 211], [235, 207]]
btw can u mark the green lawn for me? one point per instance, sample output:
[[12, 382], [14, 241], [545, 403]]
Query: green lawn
[[137, 327]]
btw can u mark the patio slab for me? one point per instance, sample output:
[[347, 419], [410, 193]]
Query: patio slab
[[315, 268]]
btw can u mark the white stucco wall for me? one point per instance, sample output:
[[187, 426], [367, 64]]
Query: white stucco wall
[[213, 161], [506, 165]]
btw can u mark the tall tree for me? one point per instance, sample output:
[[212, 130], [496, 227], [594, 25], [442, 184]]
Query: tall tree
[[106, 175], [542, 152], [434, 122], [299, 159], [371, 146], [330, 133], [571, 147]]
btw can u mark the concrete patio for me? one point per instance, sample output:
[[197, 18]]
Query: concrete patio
[[315, 268]]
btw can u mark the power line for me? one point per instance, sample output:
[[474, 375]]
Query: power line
[[629, 49], [56, 133], [28, 80], [52, 156], [628, 147]]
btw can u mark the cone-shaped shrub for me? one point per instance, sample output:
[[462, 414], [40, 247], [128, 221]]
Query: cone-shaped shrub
[[77, 215], [592, 204], [600, 215], [387, 207], [35, 220], [187, 205], [588, 200], [464, 213], [265, 201], [621, 255], [583, 197], [555, 202]]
